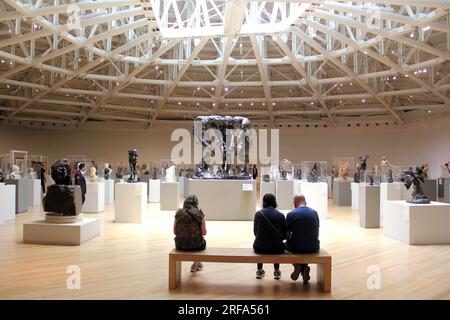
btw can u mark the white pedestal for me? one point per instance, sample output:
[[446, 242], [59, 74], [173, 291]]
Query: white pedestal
[[155, 190], [316, 194], [342, 193], [66, 234], [170, 196], [266, 187], [369, 206], [34, 192], [22, 198], [130, 203], [95, 197], [392, 191], [225, 199], [330, 186], [355, 196], [417, 223], [109, 191], [7, 203], [285, 191]]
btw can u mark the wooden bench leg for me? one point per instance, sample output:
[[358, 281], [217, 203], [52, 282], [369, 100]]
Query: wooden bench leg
[[174, 273], [324, 276]]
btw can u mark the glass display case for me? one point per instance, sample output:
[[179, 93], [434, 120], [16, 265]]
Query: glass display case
[[344, 168], [314, 171], [285, 168]]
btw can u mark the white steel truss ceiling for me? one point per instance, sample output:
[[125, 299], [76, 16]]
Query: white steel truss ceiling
[[141, 61]]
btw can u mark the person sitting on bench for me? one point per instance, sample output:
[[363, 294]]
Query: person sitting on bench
[[302, 234], [190, 228], [270, 230]]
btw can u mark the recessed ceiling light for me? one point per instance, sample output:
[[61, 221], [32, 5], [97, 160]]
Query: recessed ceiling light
[[363, 100], [226, 89], [273, 103], [429, 111], [212, 89], [214, 104], [240, 104]]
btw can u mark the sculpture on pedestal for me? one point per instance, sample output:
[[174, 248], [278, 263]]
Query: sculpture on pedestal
[[92, 174], [313, 175], [414, 178], [15, 173], [359, 176], [108, 171], [2, 176], [62, 202], [132, 160], [390, 179], [222, 127]]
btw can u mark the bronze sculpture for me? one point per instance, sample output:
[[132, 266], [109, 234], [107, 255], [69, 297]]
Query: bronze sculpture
[[62, 199], [313, 175], [414, 178], [359, 176], [2, 176], [132, 160]]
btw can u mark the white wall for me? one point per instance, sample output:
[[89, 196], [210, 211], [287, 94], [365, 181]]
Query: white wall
[[413, 144]]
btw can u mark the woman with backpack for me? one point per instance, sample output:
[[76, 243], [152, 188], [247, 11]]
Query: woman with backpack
[[270, 230], [189, 228]]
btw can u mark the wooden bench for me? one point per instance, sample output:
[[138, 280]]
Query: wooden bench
[[245, 255]]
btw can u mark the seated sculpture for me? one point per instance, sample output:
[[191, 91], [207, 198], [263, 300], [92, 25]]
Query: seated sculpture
[[62, 199], [414, 178]]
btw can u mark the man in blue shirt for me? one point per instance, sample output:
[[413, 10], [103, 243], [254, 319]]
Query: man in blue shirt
[[302, 234]]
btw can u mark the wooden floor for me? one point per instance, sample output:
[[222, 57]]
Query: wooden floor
[[130, 261]]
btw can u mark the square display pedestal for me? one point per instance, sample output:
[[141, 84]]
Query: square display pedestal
[[22, 198], [369, 206], [417, 223], [225, 199], [266, 187], [7, 203], [34, 192], [355, 196], [342, 195], [109, 191], [447, 190], [95, 197], [316, 194], [392, 191], [170, 196], [66, 234], [155, 190], [130, 203], [285, 191]]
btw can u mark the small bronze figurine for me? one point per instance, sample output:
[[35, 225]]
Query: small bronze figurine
[[414, 178]]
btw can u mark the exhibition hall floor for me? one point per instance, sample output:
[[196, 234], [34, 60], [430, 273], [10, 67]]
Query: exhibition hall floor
[[130, 261]]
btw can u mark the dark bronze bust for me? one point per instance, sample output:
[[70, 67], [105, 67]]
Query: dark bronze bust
[[62, 199]]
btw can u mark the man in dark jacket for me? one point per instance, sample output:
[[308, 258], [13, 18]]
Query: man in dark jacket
[[80, 181], [302, 234]]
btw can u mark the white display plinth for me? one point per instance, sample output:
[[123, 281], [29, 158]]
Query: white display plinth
[[355, 196], [266, 187], [285, 191], [130, 203], [155, 190], [67, 234], [316, 195], [109, 191], [170, 196], [417, 223], [95, 197], [369, 206], [342, 193], [225, 199], [330, 186], [34, 192], [392, 191], [7, 203]]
